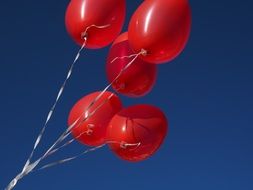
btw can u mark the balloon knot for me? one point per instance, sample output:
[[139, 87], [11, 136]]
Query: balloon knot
[[144, 52], [89, 130], [84, 35]]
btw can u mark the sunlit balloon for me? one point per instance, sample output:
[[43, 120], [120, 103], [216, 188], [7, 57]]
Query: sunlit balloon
[[135, 81], [136, 132], [100, 21], [162, 28], [90, 128]]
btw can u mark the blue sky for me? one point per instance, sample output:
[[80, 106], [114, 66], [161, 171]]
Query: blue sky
[[206, 93]]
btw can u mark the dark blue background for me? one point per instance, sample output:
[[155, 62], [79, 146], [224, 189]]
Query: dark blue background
[[206, 92]]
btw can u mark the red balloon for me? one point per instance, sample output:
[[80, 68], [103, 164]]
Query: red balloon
[[138, 79], [162, 28], [92, 131], [135, 133], [82, 14]]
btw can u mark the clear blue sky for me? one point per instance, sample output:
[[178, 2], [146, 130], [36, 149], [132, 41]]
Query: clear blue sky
[[206, 92]]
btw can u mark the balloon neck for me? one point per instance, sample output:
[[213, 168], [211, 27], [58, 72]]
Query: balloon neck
[[144, 52], [90, 129], [84, 35], [125, 145]]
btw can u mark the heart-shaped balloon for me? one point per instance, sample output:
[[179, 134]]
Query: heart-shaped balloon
[[136, 132], [91, 118], [138, 79], [161, 27], [100, 21]]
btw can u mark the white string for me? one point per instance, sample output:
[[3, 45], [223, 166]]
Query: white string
[[29, 167], [85, 33], [50, 113], [70, 158], [67, 132], [123, 57], [55, 103], [85, 132], [28, 164], [62, 89], [123, 145]]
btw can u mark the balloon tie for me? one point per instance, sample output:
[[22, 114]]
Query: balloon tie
[[70, 158], [142, 52], [85, 33], [122, 144], [125, 145]]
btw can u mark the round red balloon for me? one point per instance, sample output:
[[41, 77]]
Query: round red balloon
[[92, 131], [82, 14], [135, 81], [135, 133], [162, 28]]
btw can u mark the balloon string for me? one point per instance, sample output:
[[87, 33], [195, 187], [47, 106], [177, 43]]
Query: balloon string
[[85, 132], [49, 116], [123, 145], [29, 167], [116, 78], [28, 164], [95, 26], [50, 113], [123, 57], [56, 101], [70, 158], [73, 139], [67, 132], [142, 52], [105, 89]]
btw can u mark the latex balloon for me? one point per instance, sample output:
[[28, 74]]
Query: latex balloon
[[161, 27], [82, 14], [92, 131], [135, 133], [138, 79]]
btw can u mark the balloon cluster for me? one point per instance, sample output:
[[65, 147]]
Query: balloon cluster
[[158, 31]]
